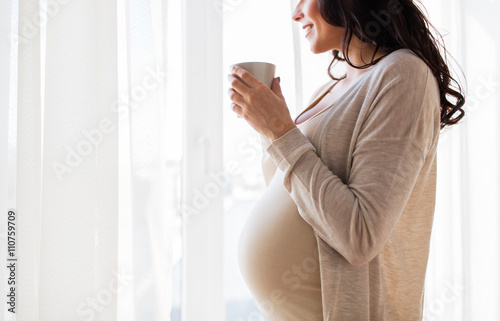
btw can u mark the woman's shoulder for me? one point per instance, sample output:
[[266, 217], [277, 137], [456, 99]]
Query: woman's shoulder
[[401, 70], [403, 62]]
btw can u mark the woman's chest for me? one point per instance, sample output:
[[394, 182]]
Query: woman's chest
[[325, 102], [322, 104], [334, 133]]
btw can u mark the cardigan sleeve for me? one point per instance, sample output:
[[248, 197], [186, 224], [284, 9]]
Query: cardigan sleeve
[[356, 218], [267, 165]]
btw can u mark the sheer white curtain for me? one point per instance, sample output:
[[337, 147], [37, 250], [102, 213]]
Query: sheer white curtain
[[84, 160], [8, 155], [145, 108]]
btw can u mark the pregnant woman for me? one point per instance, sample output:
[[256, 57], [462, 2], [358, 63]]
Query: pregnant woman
[[342, 231]]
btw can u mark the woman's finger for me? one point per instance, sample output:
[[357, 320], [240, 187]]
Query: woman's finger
[[246, 77], [237, 110], [237, 83], [236, 97]]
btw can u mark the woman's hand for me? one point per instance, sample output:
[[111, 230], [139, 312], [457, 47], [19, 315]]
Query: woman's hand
[[264, 109]]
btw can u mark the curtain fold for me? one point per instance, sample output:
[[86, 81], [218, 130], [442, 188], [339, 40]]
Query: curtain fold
[[86, 148], [29, 156], [79, 190], [8, 163], [203, 176], [146, 115]]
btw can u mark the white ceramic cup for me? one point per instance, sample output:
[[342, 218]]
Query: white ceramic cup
[[264, 71]]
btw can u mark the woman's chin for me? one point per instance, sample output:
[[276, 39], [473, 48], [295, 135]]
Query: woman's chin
[[316, 50], [313, 48]]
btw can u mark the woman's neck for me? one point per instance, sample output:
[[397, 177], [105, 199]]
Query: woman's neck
[[359, 55]]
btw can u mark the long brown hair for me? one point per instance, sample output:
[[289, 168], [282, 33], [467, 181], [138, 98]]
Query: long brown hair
[[391, 25]]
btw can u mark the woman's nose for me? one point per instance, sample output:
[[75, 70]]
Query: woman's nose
[[297, 13]]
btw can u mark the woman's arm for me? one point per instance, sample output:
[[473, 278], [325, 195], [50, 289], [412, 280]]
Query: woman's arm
[[267, 165], [399, 130]]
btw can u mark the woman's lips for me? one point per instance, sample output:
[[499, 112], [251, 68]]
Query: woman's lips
[[308, 31]]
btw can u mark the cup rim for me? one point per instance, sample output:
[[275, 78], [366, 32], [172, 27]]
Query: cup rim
[[253, 62]]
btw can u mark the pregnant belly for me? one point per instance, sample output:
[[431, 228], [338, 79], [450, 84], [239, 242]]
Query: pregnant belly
[[278, 258]]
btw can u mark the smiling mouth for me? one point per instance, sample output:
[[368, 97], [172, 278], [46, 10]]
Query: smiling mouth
[[308, 29]]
